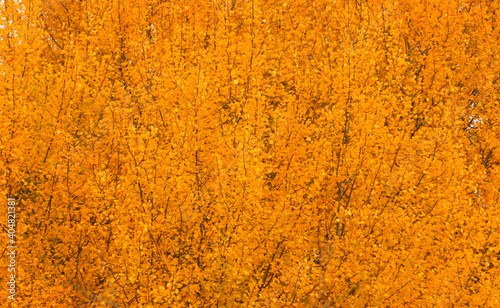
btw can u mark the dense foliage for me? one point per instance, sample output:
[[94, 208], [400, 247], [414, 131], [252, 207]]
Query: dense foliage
[[284, 153]]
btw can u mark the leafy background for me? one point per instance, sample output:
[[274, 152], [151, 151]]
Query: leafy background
[[252, 153]]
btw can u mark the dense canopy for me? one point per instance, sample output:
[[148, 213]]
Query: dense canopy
[[252, 153]]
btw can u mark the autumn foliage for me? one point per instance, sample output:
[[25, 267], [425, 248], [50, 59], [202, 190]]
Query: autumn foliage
[[252, 153]]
